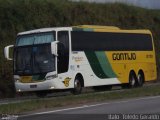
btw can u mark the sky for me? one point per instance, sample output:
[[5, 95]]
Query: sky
[[151, 4]]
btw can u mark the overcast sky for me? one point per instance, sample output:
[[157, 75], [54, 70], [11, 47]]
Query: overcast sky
[[151, 4]]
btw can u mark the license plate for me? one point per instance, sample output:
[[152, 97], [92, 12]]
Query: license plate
[[33, 86]]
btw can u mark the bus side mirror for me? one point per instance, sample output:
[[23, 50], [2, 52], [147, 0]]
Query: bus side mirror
[[54, 48], [6, 52]]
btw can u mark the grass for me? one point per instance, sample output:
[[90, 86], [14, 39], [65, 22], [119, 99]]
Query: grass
[[71, 100]]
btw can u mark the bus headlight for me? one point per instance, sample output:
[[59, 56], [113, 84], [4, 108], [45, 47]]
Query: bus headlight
[[16, 79], [51, 77]]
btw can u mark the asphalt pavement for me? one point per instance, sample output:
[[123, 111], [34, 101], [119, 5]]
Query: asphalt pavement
[[134, 108]]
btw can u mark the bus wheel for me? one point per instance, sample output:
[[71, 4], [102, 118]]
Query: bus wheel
[[140, 79], [77, 87], [132, 80], [41, 94]]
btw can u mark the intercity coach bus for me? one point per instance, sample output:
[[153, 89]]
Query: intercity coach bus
[[70, 58]]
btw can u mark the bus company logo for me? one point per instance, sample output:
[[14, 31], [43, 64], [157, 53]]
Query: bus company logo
[[66, 81], [124, 56], [77, 59]]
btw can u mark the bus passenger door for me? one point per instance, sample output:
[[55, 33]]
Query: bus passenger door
[[63, 52]]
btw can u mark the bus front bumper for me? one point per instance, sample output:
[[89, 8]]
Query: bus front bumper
[[45, 85]]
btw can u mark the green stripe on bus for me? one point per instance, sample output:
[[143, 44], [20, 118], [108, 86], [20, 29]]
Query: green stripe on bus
[[87, 29], [95, 65], [105, 65]]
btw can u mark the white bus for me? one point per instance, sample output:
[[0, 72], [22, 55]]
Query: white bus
[[70, 58]]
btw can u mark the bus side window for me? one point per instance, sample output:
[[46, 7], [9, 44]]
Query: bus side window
[[63, 51]]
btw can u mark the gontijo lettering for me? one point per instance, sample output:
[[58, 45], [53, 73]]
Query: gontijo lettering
[[124, 56]]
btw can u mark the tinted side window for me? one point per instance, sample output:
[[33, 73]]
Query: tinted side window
[[63, 51], [99, 41]]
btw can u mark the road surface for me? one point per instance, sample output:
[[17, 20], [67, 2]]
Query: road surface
[[103, 111]]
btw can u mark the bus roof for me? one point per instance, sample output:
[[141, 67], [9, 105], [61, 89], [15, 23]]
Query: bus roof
[[44, 30], [95, 28]]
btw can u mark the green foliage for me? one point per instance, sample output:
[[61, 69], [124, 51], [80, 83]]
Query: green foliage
[[21, 15]]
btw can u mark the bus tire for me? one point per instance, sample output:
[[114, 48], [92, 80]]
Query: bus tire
[[132, 80], [140, 79], [77, 86]]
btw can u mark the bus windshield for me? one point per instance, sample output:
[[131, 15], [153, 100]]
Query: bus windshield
[[35, 58]]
